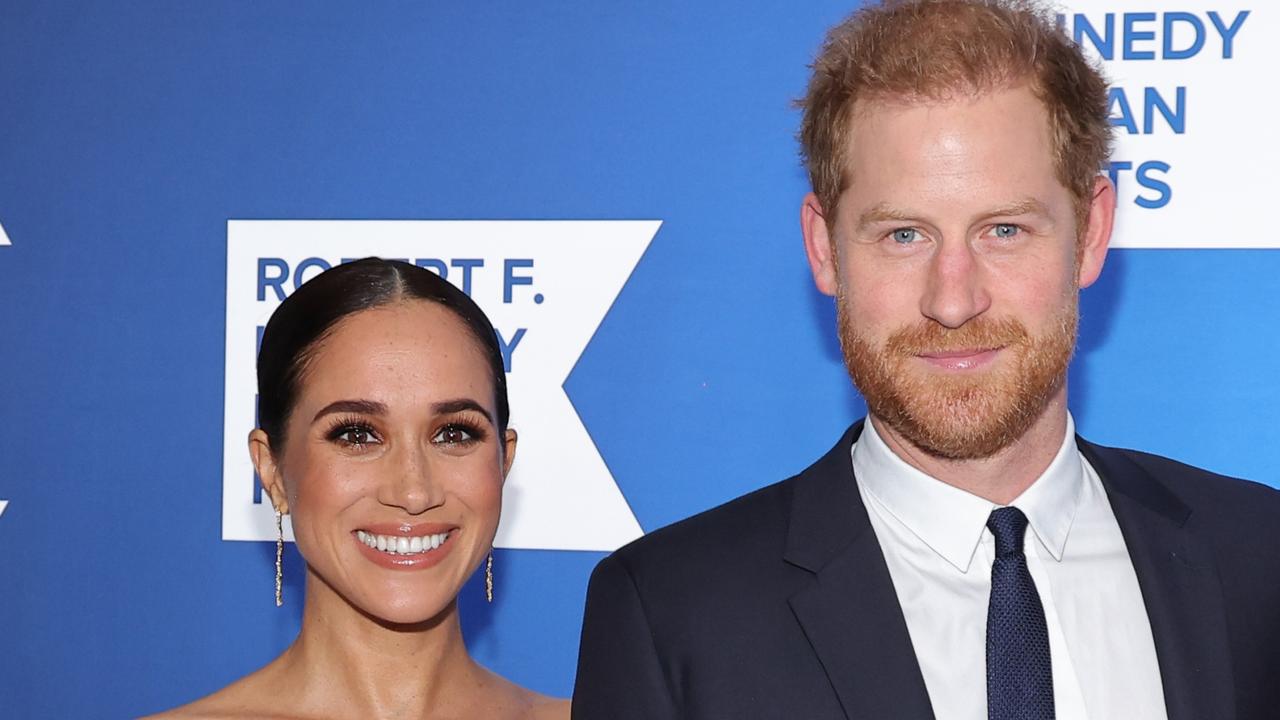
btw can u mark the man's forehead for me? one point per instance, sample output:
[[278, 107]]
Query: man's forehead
[[999, 134]]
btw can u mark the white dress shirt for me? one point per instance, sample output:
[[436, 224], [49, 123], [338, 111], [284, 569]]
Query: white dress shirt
[[939, 552]]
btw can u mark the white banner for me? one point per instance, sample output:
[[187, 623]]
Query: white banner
[[1194, 101], [546, 285]]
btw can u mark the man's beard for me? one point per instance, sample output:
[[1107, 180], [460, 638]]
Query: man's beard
[[962, 416]]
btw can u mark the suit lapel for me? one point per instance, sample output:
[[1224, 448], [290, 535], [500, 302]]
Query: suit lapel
[[1180, 588], [852, 619], [850, 612]]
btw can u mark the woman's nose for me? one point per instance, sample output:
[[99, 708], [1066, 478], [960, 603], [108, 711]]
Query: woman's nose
[[411, 482]]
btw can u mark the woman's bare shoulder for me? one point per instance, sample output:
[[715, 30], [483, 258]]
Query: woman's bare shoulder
[[253, 697], [243, 699], [548, 708], [520, 703], [216, 708]]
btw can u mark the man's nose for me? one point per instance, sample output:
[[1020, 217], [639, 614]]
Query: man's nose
[[955, 289], [413, 483]]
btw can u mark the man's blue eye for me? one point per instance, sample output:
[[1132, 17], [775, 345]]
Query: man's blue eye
[[1006, 231], [902, 236]]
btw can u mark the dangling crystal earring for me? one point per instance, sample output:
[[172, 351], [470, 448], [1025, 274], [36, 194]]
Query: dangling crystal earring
[[279, 556], [488, 578]]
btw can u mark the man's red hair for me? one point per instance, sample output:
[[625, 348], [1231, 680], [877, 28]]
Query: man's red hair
[[935, 50]]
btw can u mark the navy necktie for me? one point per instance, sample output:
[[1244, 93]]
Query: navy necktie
[[1019, 673]]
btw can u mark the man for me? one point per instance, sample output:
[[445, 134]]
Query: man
[[960, 554]]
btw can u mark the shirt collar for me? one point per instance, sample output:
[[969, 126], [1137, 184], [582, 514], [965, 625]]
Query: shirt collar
[[950, 520]]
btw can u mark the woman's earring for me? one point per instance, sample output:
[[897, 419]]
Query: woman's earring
[[279, 556], [488, 578]]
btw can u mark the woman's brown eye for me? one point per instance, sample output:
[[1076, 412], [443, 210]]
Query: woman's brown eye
[[356, 436], [452, 435]]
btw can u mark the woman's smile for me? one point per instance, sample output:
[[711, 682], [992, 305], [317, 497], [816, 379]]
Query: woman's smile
[[406, 548]]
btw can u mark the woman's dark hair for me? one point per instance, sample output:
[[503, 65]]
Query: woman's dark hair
[[307, 316]]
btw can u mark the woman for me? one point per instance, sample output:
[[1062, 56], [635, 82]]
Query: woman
[[383, 412]]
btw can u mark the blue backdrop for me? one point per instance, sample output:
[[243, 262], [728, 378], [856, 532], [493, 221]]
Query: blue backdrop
[[131, 134]]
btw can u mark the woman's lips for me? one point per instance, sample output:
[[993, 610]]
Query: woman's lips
[[403, 546], [960, 360]]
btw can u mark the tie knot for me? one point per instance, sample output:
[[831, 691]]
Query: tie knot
[[1008, 525]]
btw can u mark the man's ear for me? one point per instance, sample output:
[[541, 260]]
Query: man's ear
[[268, 470], [817, 245], [508, 452], [1096, 237]]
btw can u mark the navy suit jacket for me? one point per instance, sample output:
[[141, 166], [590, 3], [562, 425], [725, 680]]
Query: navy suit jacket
[[780, 605]]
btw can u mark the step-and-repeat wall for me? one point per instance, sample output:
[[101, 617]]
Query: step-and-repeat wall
[[617, 184]]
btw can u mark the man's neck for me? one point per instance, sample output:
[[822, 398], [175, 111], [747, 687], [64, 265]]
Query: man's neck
[[1001, 477]]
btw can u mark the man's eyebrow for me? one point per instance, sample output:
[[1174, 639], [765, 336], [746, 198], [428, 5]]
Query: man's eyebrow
[[883, 212], [1026, 206], [460, 404], [363, 407]]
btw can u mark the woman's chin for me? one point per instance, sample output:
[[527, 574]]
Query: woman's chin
[[410, 612]]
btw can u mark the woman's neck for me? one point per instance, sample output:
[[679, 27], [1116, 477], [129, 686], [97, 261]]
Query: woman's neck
[[346, 660]]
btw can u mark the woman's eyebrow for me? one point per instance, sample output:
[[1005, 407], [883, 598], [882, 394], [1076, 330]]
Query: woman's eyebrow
[[373, 407], [363, 407], [460, 404]]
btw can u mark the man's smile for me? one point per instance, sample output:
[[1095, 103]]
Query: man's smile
[[960, 360]]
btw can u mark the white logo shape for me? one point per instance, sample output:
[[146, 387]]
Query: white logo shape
[[4, 240], [3, 504], [546, 285]]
